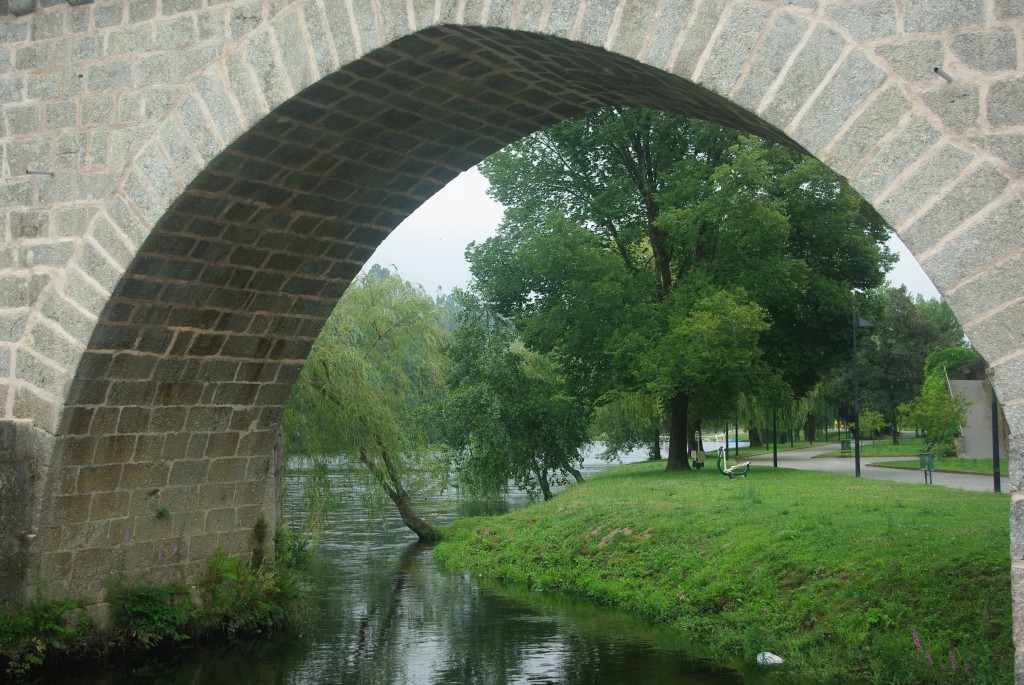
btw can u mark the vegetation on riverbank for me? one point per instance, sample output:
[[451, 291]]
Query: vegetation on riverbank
[[846, 579], [240, 599]]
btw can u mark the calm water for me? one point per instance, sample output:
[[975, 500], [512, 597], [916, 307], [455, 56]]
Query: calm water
[[388, 617]]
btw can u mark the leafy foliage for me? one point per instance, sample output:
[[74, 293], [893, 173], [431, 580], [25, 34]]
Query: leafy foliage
[[509, 414], [367, 392], [626, 421], [622, 224], [151, 615], [938, 413], [246, 602], [30, 634], [892, 360]]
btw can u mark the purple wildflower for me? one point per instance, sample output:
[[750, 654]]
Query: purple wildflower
[[952, 658], [917, 640], [928, 658], [174, 550], [127, 537]]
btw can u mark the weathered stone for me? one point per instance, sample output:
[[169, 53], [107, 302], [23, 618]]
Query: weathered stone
[[22, 119], [907, 198], [110, 74], [867, 19], [732, 47], [990, 51], [1004, 98], [996, 334], [128, 41], [980, 244], [957, 104], [804, 75], [854, 82], [970, 195], [666, 31], [914, 60], [922, 16], [998, 284], [906, 146]]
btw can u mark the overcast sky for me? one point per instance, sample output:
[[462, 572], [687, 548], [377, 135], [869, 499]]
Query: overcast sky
[[429, 247]]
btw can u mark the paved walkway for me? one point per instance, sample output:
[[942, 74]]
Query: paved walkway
[[802, 459]]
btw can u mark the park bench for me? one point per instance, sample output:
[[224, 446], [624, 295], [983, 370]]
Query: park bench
[[732, 471]]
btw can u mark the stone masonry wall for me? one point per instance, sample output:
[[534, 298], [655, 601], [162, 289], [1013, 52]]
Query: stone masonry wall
[[216, 173]]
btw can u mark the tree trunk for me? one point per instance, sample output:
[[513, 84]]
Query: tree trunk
[[575, 474], [755, 437], [542, 479], [388, 479], [677, 428], [895, 427], [656, 447]]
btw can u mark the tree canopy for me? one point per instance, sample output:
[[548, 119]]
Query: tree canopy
[[367, 391], [652, 252], [509, 415]]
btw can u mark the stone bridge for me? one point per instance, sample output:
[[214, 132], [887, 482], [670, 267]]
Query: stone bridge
[[187, 187]]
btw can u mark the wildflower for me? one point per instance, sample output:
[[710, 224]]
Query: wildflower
[[917, 640], [127, 537], [174, 550], [928, 658], [952, 658]]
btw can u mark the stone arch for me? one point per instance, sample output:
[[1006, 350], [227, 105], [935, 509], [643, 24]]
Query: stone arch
[[167, 309]]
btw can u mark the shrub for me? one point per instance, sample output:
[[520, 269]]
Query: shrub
[[29, 634], [245, 602], [149, 616]]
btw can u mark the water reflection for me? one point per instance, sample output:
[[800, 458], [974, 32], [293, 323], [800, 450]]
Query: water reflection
[[388, 617]]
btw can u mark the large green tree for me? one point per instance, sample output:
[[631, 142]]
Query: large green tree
[[509, 415], [369, 387], [624, 226], [892, 358]]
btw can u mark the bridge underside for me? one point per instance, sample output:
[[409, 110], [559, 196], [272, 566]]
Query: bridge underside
[[165, 449]]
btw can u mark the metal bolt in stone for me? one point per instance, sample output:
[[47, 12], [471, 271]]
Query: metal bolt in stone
[[942, 72]]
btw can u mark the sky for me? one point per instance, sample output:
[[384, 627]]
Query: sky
[[429, 247]]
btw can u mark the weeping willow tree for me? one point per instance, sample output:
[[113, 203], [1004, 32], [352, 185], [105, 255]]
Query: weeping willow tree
[[630, 420], [365, 394]]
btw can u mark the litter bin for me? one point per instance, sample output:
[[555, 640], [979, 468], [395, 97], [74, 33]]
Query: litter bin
[[844, 446], [927, 464]]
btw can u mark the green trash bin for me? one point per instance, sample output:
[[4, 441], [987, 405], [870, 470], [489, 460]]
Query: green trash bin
[[927, 464]]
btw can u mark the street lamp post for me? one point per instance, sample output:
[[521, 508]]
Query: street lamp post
[[857, 323]]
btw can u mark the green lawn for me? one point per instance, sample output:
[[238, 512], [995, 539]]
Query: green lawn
[[953, 465], [883, 447], [831, 572]]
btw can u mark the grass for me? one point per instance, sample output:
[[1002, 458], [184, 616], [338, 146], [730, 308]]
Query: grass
[[883, 447], [953, 465], [831, 572]]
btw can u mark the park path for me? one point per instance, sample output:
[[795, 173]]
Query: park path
[[803, 458]]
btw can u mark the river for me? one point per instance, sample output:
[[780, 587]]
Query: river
[[388, 617]]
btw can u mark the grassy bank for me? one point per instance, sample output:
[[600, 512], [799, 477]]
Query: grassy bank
[[953, 465], [883, 447], [834, 574]]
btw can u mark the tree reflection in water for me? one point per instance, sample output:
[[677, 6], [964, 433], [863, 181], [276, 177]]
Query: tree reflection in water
[[389, 617]]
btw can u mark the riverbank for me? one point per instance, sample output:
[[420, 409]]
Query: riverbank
[[242, 599], [842, 577]]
